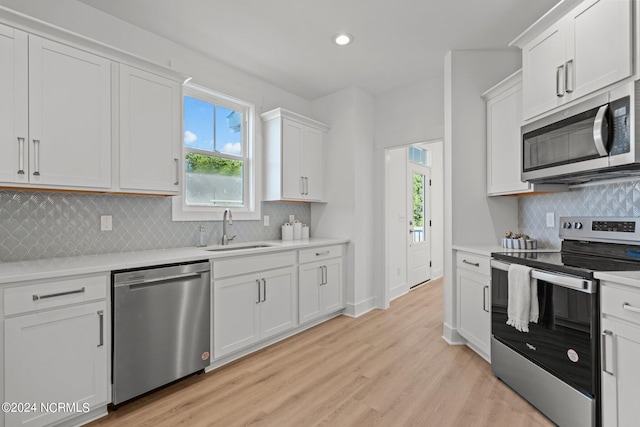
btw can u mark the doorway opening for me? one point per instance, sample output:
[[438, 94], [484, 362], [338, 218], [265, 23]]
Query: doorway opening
[[413, 216]]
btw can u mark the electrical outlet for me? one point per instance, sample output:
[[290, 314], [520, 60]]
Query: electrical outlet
[[106, 223], [551, 221], [266, 220]]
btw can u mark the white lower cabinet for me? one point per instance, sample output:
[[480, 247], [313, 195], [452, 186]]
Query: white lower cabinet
[[320, 289], [473, 283], [56, 356], [620, 353], [252, 307]]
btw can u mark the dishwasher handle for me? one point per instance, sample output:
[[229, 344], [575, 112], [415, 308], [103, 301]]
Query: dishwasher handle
[[143, 283]]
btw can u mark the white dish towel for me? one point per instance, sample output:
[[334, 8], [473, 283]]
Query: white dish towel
[[522, 305]]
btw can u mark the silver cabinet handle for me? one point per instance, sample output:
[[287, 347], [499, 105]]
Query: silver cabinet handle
[[484, 298], [259, 294], [606, 334], [59, 294], [600, 138], [36, 158], [568, 76], [177, 161], [325, 274], [264, 291], [101, 317], [629, 307], [306, 185], [323, 253], [475, 264], [560, 81], [302, 185], [21, 156]]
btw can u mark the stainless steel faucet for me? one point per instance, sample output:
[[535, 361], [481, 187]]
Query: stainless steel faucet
[[225, 239]]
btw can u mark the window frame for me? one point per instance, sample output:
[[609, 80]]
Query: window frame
[[180, 211]]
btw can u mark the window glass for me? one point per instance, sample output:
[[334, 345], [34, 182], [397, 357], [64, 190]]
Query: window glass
[[198, 124]]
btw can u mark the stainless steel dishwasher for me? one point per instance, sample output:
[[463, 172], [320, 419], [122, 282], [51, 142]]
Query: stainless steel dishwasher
[[161, 326]]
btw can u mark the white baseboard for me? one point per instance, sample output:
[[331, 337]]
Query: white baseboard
[[397, 291], [436, 274], [358, 309], [451, 335]]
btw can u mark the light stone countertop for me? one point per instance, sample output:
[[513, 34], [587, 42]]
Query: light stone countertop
[[50, 268], [629, 278]]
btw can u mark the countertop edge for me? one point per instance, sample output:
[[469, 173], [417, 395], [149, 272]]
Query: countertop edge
[[51, 268], [486, 250]]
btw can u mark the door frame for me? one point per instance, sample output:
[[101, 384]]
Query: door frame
[[437, 197]]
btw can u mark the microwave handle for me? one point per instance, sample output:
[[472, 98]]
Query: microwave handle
[[599, 138]]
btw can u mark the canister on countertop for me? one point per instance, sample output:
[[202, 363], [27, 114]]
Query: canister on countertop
[[287, 231], [305, 231], [297, 230]]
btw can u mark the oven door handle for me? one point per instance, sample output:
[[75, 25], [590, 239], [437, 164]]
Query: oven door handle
[[566, 281]]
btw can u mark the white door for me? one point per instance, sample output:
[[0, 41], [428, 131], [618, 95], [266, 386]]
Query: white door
[[69, 116], [312, 162], [149, 131], [331, 290], [310, 279], [55, 356], [418, 214], [14, 135], [236, 313], [278, 302]]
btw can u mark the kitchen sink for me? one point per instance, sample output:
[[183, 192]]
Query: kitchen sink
[[237, 247]]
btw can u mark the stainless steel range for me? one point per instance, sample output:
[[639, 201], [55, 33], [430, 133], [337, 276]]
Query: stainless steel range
[[556, 364]]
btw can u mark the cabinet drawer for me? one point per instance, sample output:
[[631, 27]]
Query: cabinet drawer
[[317, 254], [250, 264], [614, 300], [472, 262], [27, 298]]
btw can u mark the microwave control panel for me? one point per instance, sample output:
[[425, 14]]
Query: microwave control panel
[[621, 132]]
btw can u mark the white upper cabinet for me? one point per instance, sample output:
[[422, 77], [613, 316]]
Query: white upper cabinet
[[55, 114], [585, 50], [69, 116], [13, 105], [293, 156], [150, 129], [504, 141]]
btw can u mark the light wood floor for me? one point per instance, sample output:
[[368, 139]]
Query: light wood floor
[[386, 368]]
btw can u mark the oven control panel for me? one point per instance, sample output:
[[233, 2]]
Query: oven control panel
[[603, 229]]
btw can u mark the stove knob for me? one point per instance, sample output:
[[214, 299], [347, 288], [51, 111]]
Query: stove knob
[[566, 225], [577, 225]]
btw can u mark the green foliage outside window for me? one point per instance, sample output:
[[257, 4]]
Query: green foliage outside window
[[201, 163], [418, 202]]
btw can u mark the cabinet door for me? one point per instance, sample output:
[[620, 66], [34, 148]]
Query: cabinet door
[[292, 181], [600, 41], [620, 373], [56, 356], [14, 136], [504, 148], [312, 163], [69, 116], [310, 305], [278, 307], [474, 316], [149, 131], [331, 291], [236, 313], [543, 61]]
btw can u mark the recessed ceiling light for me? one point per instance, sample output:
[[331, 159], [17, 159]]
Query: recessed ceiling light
[[342, 39]]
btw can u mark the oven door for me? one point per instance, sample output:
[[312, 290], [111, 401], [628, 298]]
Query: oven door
[[564, 342]]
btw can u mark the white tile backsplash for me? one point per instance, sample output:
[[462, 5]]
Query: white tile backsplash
[[35, 225], [608, 199]]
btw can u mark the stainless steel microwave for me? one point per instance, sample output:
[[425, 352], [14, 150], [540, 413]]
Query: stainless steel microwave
[[592, 140]]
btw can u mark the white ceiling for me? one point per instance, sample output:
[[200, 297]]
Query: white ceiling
[[288, 42]]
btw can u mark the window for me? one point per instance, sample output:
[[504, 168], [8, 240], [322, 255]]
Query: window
[[218, 153]]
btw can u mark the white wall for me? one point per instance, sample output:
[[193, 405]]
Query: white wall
[[409, 115], [349, 211], [396, 221], [474, 218]]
